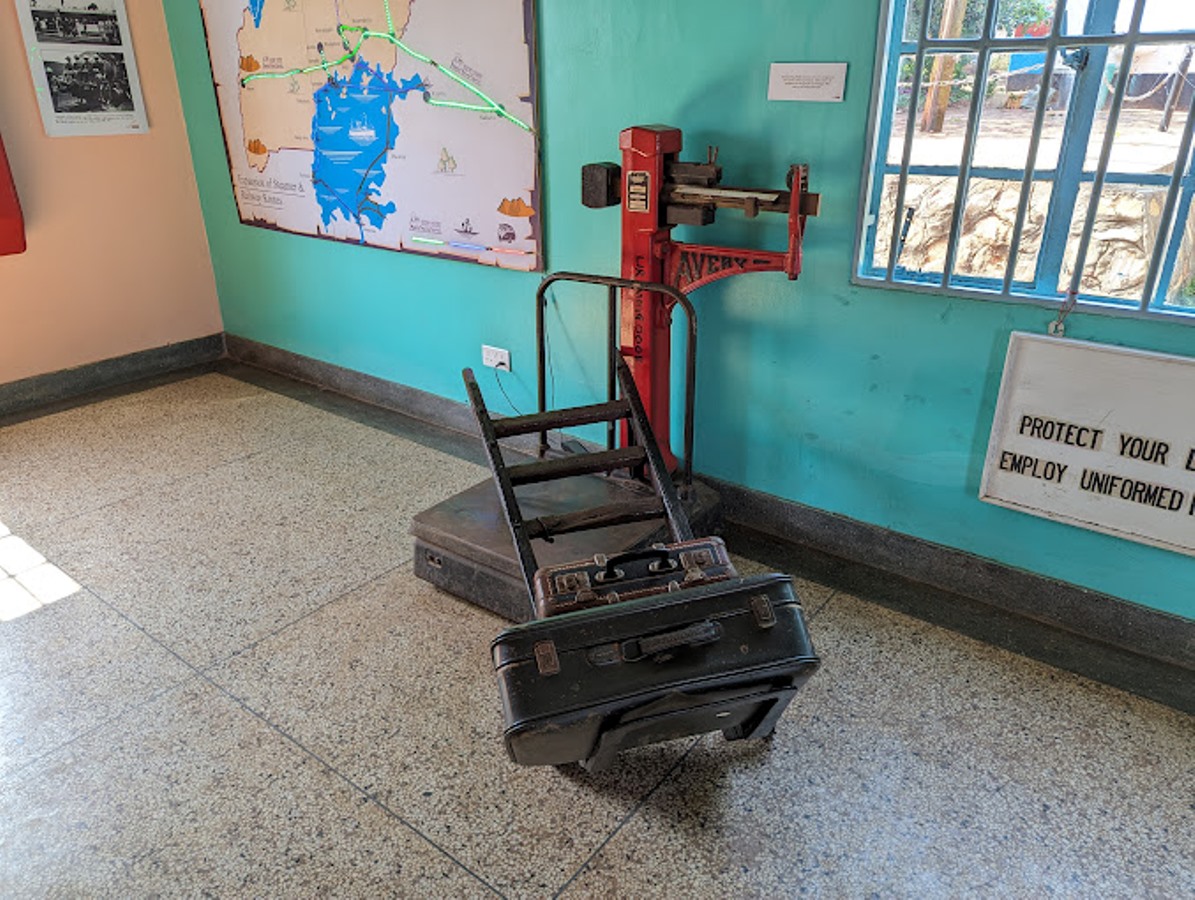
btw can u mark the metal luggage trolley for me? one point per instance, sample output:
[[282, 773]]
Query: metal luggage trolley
[[581, 686], [463, 544]]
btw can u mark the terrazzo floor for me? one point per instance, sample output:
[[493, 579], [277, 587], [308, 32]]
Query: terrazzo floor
[[249, 694]]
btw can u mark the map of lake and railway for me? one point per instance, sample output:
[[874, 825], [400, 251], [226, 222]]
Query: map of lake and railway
[[404, 124]]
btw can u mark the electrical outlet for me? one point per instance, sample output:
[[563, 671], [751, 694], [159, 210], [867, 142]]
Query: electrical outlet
[[495, 357]]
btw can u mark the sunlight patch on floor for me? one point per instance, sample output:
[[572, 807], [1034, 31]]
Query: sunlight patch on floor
[[27, 580]]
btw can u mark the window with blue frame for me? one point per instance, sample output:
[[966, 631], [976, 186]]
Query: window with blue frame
[[1035, 149]]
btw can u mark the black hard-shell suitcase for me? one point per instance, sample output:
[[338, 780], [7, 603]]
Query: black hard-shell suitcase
[[580, 687], [604, 579]]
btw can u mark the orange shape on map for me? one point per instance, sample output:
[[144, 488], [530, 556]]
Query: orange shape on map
[[249, 64], [257, 147], [517, 208]]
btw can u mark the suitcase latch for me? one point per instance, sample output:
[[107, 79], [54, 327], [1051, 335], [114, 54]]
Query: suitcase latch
[[761, 608], [546, 658], [572, 582], [699, 559]]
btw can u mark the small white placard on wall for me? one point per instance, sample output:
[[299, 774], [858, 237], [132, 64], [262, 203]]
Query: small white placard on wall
[[817, 82], [1097, 436]]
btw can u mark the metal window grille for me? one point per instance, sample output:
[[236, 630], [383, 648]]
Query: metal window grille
[[1037, 150]]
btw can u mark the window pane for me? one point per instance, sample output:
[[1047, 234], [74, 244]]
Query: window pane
[[1004, 127], [1006, 122], [988, 223], [1058, 111], [1097, 16], [1103, 107], [991, 214], [900, 108], [912, 24], [883, 224], [1168, 15], [956, 18], [1154, 86], [1122, 241], [1078, 219], [1014, 87], [943, 109], [932, 203], [1031, 232], [925, 224], [1182, 283], [1024, 18]]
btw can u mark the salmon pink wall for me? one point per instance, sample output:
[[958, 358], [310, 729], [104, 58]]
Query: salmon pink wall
[[117, 261]]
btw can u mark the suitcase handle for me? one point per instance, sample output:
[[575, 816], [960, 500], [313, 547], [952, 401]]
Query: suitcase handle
[[662, 561], [693, 636]]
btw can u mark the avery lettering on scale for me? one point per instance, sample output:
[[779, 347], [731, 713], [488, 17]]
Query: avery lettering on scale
[[1096, 436]]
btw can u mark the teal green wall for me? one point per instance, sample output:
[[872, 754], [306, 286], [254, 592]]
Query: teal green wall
[[871, 403]]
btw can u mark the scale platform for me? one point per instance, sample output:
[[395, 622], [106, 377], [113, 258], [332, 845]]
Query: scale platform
[[464, 547]]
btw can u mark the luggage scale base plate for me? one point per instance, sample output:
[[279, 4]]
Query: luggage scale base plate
[[463, 544]]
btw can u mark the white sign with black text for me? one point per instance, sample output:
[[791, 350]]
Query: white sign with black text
[[1097, 436], [811, 82]]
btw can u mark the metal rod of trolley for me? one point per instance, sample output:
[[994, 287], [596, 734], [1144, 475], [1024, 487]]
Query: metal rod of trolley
[[612, 355], [614, 284]]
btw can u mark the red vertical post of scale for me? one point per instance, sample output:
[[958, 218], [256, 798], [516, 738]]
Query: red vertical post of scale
[[646, 317], [12, 225]]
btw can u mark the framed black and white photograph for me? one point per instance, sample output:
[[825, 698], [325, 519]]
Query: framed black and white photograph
[[88, 81], [76, 22], [83, 66]]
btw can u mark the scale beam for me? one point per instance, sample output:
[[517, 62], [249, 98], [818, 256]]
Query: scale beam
[[657, 192]]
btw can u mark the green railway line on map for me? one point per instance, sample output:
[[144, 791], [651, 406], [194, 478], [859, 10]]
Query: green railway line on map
[[352, 51]]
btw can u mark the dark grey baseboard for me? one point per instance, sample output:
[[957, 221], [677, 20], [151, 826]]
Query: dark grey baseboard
[[44, 390], [412, 402], [1059, 604], [368, 388], [1088, 614]]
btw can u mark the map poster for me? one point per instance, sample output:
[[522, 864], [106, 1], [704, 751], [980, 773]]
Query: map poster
[[403, 124], [84, 72]]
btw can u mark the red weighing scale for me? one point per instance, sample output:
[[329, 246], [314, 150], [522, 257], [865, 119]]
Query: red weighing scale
[[463, 545]]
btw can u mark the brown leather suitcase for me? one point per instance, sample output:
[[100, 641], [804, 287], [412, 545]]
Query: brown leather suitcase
[[658, 569]]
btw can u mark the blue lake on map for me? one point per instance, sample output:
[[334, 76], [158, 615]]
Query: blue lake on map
[[353, 130], [256, 7]]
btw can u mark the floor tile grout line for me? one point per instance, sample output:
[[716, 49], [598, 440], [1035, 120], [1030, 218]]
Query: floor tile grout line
[[23, 769], [372, 798], [169, 481], [293, 622], [281, 441], [204, 676], [627, 818], [95, 595], [823, 604]]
